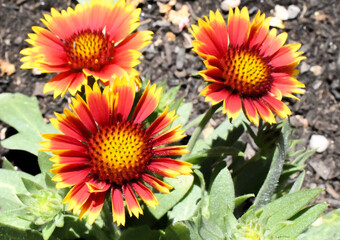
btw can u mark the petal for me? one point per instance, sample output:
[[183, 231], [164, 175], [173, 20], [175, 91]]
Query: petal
[[65, 81], [250, 111], [93, 206], [118, 213], [131, 201], [76, 197], [145, 194], [62, 142], [123, 20], [156, 183], [215, 93], [169, 167], [70, 125], [98, 104], [147, 103], [106, 73], [135, 41], [264, 112], [277, 106], [83, 112], [125, 88], [164, 120], [70, 178], [232, 106], [169, 136], [238, 26], [172, 150]]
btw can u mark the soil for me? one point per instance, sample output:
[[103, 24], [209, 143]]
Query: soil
[[317, 112]]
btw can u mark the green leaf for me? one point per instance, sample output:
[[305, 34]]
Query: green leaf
[[222, 197], [6, 164], [31, 186], [25, 199], [287, 206], [15, 233], [267, 190], [301, 222], [11, 208], [140, 233], [12, 180], [239, 200], [167, 201], [73, 228], [183, 113], [303, 157], [193, 229], [176, 232], [44, 162], [22, 113], [326, 227], [210, 231], [194, 122], [187, 207], [230, 222], [298, 183], [48, 229]]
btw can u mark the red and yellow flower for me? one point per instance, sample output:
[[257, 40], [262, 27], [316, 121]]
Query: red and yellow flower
[[91, 40], [105, 148], [247, 67]]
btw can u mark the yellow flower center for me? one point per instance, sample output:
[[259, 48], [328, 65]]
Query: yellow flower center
[[246, 73], [120, 153], [89, 49]]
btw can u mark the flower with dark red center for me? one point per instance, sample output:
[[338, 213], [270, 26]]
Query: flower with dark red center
[[102, 149], [91, 40], [247, 67]]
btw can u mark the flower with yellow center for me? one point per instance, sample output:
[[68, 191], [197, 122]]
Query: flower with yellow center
[[93, 39], [103, 147], [247, 67]]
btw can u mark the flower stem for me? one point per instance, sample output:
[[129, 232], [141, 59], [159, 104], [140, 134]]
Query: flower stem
[[201, 125]]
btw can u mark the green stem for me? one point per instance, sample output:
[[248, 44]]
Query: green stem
[[202, 125]]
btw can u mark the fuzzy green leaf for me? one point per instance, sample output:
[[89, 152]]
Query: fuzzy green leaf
[[210, 231], [239, 200], [183, 113], [222, 197], [176, 232], [31, 186], [167, 201], [44, 162], [15, 233], [298, 183], [22, 113], [6, 164], [287, 206], [48, 229], [186, 208], [267, 190], [301, 222], [326, 227]]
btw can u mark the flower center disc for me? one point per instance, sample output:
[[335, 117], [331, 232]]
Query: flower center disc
[[246, 73], [89, 49], [120, 153]]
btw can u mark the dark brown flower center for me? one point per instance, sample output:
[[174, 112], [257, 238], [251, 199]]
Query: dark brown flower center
[[120, 153], [246, 73], [89, 49]]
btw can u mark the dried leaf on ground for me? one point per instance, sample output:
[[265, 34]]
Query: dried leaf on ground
[[180, 17], [6, 68], [166, 8], [170, 36], [135, 3]]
